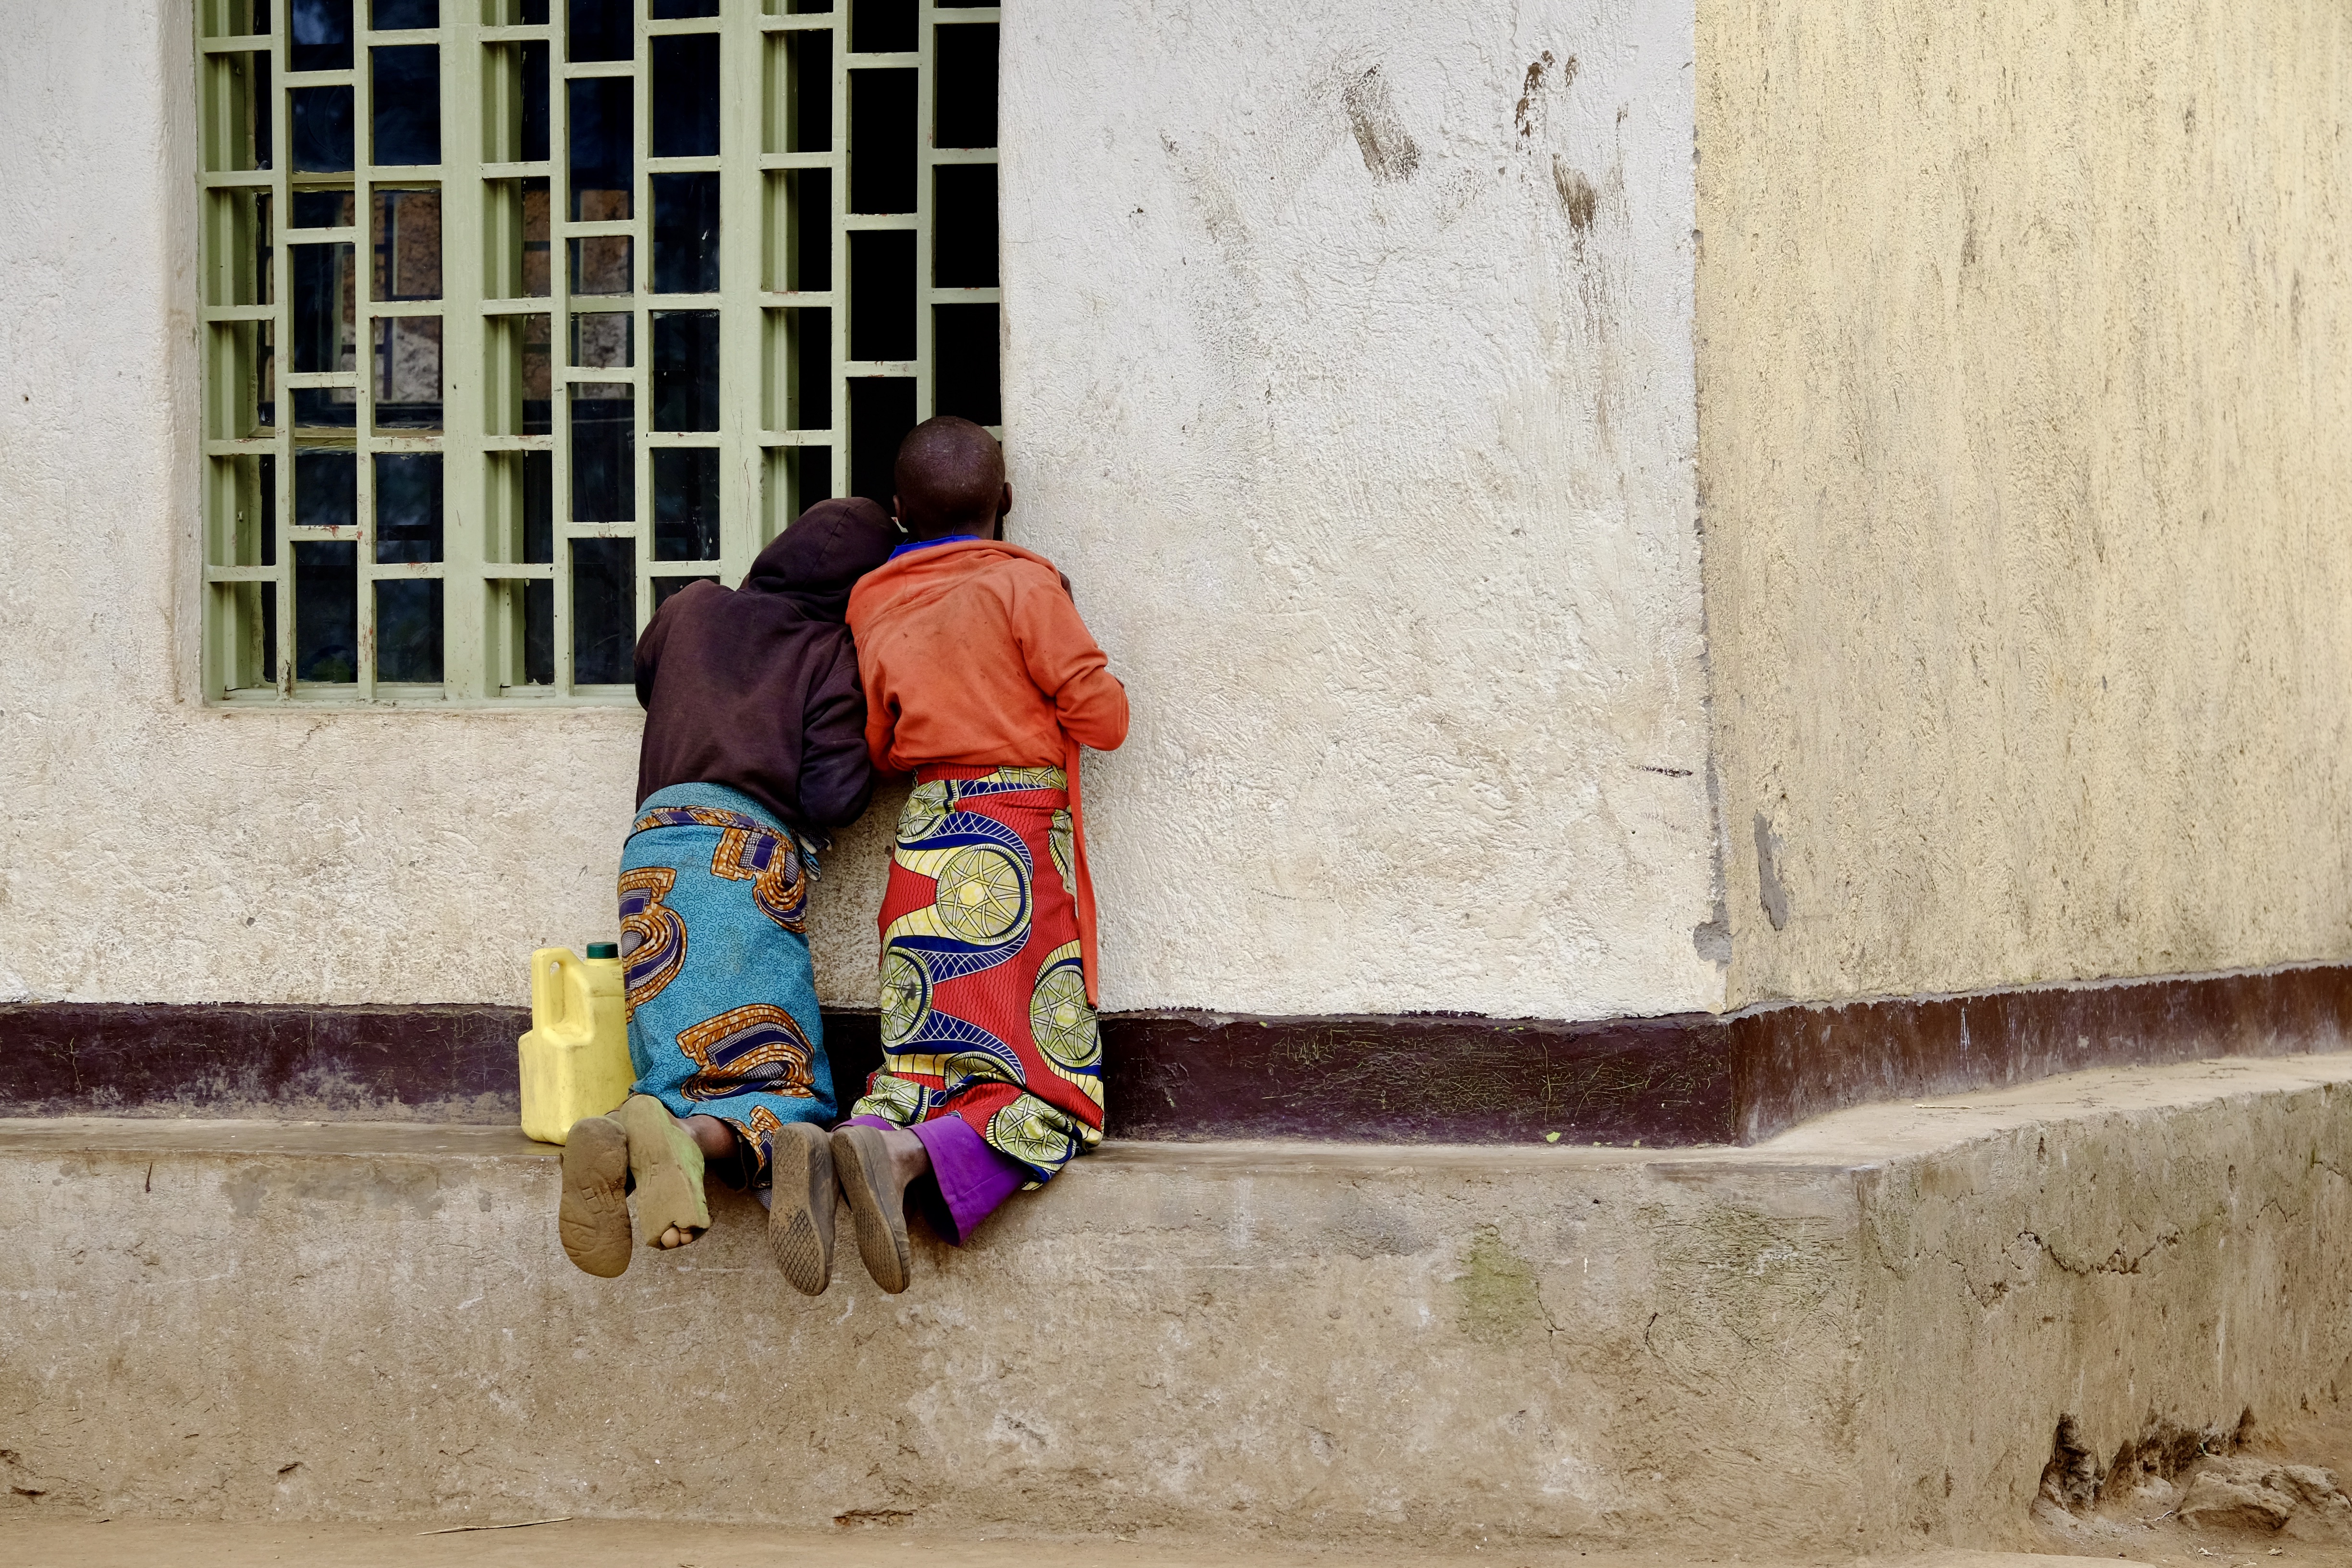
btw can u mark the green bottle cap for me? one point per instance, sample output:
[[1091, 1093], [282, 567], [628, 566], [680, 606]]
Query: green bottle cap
[[603, 950]]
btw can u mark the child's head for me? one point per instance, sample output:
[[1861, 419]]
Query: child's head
[[817, 559], [950, 478]]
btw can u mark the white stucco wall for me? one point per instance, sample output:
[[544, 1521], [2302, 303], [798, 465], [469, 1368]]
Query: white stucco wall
[[1357, 400], [1350, 376]]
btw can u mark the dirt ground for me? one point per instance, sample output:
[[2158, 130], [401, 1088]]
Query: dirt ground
[[30, 1542]]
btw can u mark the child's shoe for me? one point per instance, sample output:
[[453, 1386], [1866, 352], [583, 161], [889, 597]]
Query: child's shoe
[[593, 1216], [877, 1206], [666, 1164], [801, 1206]]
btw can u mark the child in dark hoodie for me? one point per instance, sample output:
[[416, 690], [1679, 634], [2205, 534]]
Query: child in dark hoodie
[[754, 747]]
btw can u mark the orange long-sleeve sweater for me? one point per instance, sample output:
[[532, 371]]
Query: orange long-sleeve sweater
[[972, 654]]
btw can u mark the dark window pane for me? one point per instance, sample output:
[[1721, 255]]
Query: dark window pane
[[806, 363], [601, 264], [268, 596], [679, 10], [407, 104], [538, 382], [881, 27], [882, 294], [685, 503], [686, 233], [801, 248], [534, 104], [604, 611], [408, 373], [322, 39], [600, 30], [808, 67], [601, 161], [966, 74], [537, 274], [882, 142], [322, 209], [964, 228], [406, 230], [326, 490], [321, 327], [323, 130], [390, 16], [265, 410], [539, 506], [881, 411], [538, 632], [534, 13], [685, 105], [963, 356], [604, 453], [408, 506], [408, 630], [685, 370], [266, 532], [603, 340], [263, 122], [326, 611], [325, 408]]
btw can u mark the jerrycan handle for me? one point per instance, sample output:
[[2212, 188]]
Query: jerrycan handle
[[559, 993]]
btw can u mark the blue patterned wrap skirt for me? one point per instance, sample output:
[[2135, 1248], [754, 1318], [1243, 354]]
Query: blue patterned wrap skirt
[[722, 996]]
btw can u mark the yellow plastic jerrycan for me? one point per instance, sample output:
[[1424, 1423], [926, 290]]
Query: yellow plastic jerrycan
[[575, 1059]]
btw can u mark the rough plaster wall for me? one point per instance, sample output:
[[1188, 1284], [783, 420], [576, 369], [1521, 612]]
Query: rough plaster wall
[[1349, 374], [2025, 337], [1408, 596]]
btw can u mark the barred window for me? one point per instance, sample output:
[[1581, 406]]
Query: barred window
[[519, 315]]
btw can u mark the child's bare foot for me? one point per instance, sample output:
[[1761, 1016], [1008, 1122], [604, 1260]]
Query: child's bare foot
[[593, 1216], [666, 1158], [874, 1167]]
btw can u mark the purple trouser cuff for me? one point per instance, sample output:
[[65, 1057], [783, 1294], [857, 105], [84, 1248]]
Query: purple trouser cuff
[[970, 1177]]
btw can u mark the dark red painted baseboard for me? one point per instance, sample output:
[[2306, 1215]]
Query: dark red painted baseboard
[[1688, 1079]]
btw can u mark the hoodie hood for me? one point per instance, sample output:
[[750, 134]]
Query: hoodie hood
[[816, 561]]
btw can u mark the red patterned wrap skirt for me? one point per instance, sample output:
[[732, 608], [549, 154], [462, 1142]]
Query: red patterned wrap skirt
[[983, 992]]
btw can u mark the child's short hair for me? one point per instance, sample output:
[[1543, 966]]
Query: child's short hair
[[948, 477]]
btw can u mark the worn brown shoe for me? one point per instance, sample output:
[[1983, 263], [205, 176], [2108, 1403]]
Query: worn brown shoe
[[593, 1216], [801, 1207], [877, 1206]]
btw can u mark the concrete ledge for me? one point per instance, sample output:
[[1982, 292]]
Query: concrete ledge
[[1859, 1335]]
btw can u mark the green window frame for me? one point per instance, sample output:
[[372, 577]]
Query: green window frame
[[487, 375]]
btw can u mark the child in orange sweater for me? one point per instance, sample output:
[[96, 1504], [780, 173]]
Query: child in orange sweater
[[982, 681]]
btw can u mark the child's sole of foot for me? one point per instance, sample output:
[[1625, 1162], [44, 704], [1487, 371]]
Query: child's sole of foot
[[594, 1216], [800, 1207], [877, 1206], [667, 1165]]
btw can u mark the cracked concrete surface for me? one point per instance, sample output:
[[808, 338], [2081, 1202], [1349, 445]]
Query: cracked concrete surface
[[1859, 1336]]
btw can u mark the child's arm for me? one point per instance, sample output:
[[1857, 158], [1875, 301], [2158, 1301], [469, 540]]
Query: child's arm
[[1067, 665], [836, 777]]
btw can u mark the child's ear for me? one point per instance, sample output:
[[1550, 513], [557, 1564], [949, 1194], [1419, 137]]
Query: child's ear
[[1005, 501], [895, 519]]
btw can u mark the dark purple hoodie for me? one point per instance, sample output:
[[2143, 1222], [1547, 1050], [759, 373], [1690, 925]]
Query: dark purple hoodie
[[757, 689]]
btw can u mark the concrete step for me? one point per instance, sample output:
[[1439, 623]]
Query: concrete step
[[1859, 1336]]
